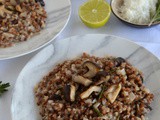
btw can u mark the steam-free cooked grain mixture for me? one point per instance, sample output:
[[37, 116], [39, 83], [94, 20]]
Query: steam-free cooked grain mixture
[[20, 19], [93, 88]]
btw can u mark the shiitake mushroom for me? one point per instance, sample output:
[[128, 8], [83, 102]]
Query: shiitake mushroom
[[119, 61], [41, 2]]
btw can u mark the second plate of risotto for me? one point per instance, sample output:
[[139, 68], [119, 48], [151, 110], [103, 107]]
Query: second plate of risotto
[[89, 77], [28, 25]]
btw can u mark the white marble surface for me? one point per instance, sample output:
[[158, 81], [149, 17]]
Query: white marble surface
[[9, 69], [24, 106]]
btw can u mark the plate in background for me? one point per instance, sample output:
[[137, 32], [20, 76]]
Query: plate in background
[[23, 103], [58, 12]]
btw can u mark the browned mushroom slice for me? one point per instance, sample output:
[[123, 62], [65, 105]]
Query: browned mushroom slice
[[81, 80], [103, 80], [101, 74], [101, 77], [89, 91], [93, 68], [69, 92], [112, 93], [72, 93], [96, 110], [41, 2], [119, 61]]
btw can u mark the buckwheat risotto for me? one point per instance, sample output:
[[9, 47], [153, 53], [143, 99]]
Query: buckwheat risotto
[[20, 19], [93, 88]]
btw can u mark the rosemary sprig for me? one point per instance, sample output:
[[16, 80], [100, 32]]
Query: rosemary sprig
[[96, 110], [156, 16], [3, 87], [102, 91]]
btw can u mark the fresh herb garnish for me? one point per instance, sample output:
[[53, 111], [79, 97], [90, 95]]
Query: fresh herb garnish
[[96, 110], [102, 91], [3, 87], [156, 16]]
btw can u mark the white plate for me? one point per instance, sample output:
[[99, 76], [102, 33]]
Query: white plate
[[23, 104], [58, 12]]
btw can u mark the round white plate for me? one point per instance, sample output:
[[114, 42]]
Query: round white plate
[[23, 102], [58, 12]]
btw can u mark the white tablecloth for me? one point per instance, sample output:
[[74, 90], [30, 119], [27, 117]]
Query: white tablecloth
[[147, 37]]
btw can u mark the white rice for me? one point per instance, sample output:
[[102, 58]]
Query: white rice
[[138, 11]]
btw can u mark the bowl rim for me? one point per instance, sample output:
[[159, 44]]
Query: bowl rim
[[130, 23]]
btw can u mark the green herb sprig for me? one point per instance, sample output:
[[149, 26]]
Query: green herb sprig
[[156, 16], [3, 87], [102, 91], [96, 110]]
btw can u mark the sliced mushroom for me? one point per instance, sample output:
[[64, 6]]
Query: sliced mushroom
[[96, 110], [103, 80], [131, 97], [55, 97], [112, 93], [101, 77], [72, 93], [81, 80], [101, 74], [121, 72], [93, 68], [89, 91], [41, 2], [69, 92], [119, 61]]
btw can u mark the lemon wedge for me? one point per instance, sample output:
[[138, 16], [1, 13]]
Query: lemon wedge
[[95, 13]]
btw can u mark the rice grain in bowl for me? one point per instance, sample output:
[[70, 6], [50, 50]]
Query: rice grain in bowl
[[93, 88]]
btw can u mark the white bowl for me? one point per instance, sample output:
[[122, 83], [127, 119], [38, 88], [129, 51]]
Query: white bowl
[[115, 4]]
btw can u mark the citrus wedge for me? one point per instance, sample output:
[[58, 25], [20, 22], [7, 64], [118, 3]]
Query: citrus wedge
[[95, 13]]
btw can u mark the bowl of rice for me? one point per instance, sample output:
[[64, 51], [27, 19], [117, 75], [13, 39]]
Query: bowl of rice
[[138, 13]]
